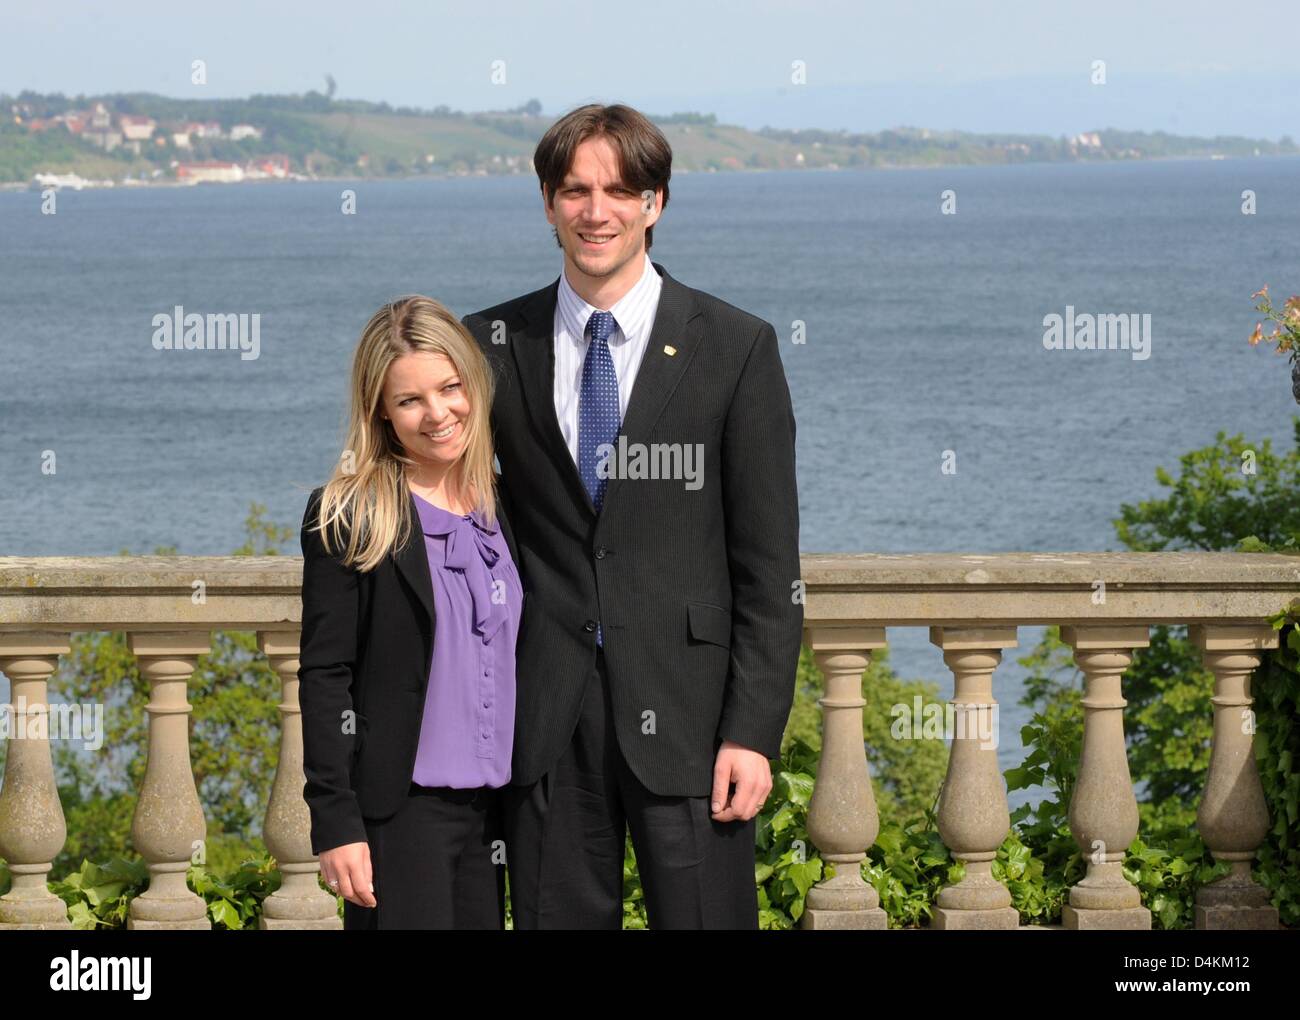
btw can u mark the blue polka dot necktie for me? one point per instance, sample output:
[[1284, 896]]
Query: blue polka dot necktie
[[598, 413], [598, 416]]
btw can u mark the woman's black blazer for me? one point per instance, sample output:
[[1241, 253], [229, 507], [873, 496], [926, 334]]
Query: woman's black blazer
[[367, 643]]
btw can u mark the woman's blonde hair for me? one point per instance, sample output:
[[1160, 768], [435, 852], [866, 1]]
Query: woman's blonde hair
[[366, 505]]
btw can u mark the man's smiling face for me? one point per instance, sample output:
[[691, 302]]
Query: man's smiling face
[[599, 219]]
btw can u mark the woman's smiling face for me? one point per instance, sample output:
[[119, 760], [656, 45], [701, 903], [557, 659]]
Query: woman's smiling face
[[426, 401]]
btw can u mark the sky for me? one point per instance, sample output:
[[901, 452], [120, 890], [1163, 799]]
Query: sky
[[1190, 67]]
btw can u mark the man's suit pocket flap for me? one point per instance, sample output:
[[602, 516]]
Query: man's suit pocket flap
[[709, 623]]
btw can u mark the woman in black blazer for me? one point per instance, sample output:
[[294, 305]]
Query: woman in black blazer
[[411, 603]]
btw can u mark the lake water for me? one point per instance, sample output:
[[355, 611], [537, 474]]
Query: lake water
[[924, 334]]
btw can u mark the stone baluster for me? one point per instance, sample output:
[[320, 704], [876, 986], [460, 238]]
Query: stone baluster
[[32, 829], [168, 827], [973, 814], [1103, 807], [300, 902], [842, 817], [1233, 816]]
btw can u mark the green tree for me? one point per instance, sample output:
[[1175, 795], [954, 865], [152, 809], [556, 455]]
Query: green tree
[[1227, 494]]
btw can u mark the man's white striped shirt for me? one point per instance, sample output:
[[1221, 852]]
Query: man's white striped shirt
[[634, 314]]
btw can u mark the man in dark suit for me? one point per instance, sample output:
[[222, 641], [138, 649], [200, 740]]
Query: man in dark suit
[[647, 450]]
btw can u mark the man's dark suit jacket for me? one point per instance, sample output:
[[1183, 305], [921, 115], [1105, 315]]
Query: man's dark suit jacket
[[694, 589], [367, 645]]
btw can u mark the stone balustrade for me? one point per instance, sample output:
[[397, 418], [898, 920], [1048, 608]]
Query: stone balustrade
[[169, 607], [1104, 603]]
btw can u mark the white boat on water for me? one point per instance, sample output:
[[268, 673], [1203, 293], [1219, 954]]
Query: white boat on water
[[42, 181], [58, 181]]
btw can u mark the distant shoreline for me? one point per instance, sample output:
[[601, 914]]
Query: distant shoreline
[[132, 184], [156, 139]]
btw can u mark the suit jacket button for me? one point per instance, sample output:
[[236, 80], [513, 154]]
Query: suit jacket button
[[589, 626], [600, 553]]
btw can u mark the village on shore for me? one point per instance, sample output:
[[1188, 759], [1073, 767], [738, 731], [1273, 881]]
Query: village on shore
[[110, 131]]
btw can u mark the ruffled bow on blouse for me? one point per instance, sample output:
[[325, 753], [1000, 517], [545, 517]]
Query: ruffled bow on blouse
[[467, 548]]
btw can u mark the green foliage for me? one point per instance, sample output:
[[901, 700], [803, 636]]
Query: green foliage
[[787, 865], [235, 903], [907, 866], [264, 537], [1276, 689], [1037, 890], [1170, 717], [634, 915], [1168, 873], [1226, 494], [99, 895], [1040, 859]]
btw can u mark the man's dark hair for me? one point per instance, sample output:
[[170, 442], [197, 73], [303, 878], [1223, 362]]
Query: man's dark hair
[[644, 155]]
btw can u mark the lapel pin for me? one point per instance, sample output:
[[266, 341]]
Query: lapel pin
[[670, 351]]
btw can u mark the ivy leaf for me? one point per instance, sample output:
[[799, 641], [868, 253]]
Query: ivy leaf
[[224, 912]]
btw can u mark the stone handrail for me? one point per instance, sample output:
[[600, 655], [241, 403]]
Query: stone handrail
[[170, 605]]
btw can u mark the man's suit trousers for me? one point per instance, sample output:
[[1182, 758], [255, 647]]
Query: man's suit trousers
[[565, 838]]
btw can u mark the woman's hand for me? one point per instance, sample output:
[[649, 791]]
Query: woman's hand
[[347, 870]]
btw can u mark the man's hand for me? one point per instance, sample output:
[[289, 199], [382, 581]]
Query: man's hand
[[751, 773]]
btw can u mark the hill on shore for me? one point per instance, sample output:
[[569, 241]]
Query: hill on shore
[[148, 137]]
